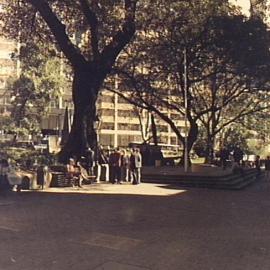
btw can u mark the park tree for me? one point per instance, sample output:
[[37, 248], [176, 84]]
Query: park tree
[[39, 81], [206, 51], [90, 34], [23, 120], [239, 86]]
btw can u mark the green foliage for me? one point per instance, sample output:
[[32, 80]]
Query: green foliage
[[20, 155], [227, 61], [41, 79], [25, 112], [23, 16], [237, 135]]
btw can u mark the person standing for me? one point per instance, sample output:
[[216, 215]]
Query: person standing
[[115, 166], [135, 166], [40, 176], [238, 155], [4, 170], [90, 158], [224, 156], [267, 168], [125, 166], [258, 166]]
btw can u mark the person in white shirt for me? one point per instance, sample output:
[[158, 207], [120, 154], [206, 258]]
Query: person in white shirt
[[135, 166]]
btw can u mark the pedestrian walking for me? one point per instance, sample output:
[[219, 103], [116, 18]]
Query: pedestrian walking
[[135, 166], [267, 168]]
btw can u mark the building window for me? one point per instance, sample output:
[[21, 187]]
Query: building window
[[175, 116], [174, 140], [106, 139], [105, 125], [122, 100], [54, 103], [67, 104], [106, 98], [134, 127], [162, 128], [125, 113], [163, 139], [124, 140], [107, 112]]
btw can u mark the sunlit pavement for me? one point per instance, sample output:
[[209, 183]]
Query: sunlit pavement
[[142, 189], [126, 227]]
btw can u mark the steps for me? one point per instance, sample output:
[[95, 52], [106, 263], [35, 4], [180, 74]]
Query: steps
[[230, 181]]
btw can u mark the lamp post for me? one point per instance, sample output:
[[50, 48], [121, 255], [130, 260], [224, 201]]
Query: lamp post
[[97, 165], [97, 123], [186, 112]]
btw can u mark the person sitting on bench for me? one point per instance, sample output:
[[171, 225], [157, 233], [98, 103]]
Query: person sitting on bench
[[74, 173], [85, 177]]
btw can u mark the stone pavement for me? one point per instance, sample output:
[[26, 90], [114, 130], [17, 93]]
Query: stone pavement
[[126, 227]]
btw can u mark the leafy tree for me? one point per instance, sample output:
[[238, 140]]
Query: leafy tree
[[227, 60], [40, 80], [236, 135], [22, 121], [100, 31]]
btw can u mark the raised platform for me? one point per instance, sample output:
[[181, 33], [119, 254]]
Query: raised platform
[[200, 176]]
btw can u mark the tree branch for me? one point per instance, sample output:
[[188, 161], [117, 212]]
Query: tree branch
[[58, 30], [93, 22], [122, 37]]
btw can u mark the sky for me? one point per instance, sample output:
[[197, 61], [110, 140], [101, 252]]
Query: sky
[[244, 4]]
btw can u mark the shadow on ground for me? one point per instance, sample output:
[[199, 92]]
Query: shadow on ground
[[191, 230]]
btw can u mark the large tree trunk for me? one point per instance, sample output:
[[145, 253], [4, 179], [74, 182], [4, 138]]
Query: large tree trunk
[[192, 137], [83, 134], [210, 145]]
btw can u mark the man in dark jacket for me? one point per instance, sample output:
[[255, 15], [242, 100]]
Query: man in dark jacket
[[238, 155], [224, 156], [115, 166]]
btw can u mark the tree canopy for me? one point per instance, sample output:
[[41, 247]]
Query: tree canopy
[[39, 82], [227, 55], [90, 34], [227, 62]]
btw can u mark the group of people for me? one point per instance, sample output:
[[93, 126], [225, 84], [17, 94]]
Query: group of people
[[125, 166], [236, 155]]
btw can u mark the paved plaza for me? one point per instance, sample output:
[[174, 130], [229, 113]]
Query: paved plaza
[[143, 227]]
